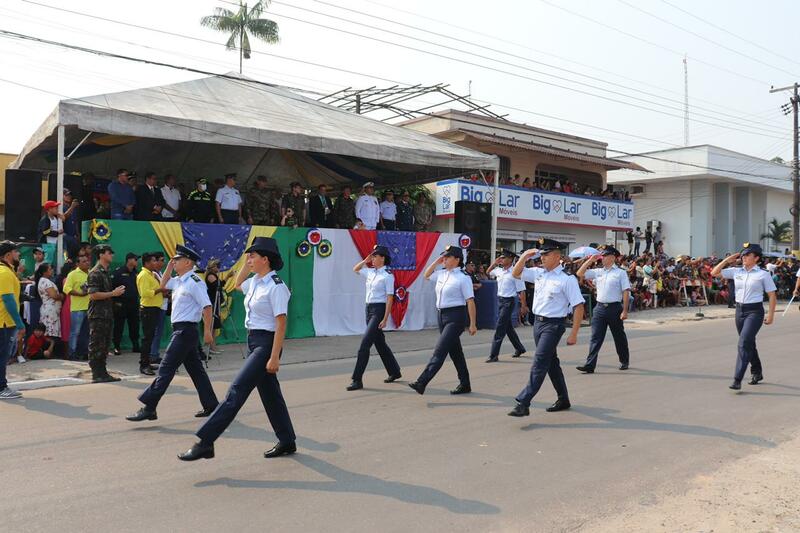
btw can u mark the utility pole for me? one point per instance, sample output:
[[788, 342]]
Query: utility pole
[[795, 210]]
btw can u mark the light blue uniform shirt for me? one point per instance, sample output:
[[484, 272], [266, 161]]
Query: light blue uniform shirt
[[750, 285], [228, 198], [507, 285], [610, 283], [189, 297], [453, 288], [264, 299], [556, 293], [380, 284]]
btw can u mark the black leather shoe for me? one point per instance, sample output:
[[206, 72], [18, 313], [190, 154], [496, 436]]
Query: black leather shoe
[[623, 366], [518, 353], [419, 387], [204, 413], [280, 449], [142, 414], [461, 389], [146, 370], [392, 379], [155, 361], [105, 378], [559, 405], [755, 378], [355, 385], [492, 360], [520, 410], [585, 369], [736, 385], [197, 451], [117, 351]]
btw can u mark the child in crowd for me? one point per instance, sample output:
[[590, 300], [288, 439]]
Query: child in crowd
[[39, 345], [289, 219]]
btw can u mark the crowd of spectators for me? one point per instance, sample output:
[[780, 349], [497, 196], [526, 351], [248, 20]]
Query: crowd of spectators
[[564, 185]]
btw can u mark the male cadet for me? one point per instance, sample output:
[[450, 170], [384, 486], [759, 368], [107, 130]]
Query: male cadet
[[101, 313], [613, 294], [189, 302], [555, 294], [508, 287]]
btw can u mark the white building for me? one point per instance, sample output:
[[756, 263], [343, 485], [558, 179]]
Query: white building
[[708, 200], [529, 153]]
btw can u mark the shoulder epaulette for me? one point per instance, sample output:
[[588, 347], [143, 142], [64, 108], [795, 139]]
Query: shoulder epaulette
[[277, 280], [197, 279]]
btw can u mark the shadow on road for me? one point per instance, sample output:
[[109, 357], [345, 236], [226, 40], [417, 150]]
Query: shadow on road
[[63, 410], [344, 481]]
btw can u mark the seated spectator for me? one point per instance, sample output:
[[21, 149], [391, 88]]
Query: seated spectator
[[38, 345]]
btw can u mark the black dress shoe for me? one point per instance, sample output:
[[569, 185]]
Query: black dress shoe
[[204, 413], [585, 369], [355, 385], [142, 414], [520, 410], [461, 389], [280, 449], [146, 370], [623, 366], [198, 451], [755, 378], [417, 386], [736, 385], [518, 353], [105, 378], [559, 405], [392, 379], [492, 360]]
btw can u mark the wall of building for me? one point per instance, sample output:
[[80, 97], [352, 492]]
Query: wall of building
[[670, 204]]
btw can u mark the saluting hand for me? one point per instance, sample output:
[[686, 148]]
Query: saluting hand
[[273, 365]]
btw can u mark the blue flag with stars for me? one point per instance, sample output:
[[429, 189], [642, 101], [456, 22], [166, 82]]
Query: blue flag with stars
[[402, 247], [225, 242]]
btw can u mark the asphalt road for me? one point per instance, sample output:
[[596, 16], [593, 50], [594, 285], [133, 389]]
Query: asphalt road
[[386, 459]]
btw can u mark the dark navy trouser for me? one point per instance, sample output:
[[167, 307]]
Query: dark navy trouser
[[452, 321], [252, 375], [374, 335], [749, 319], [182, 350], [547, 333], [505, 326], [608, 316]]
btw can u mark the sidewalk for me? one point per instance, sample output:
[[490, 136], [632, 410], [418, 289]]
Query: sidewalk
[[57, 372]]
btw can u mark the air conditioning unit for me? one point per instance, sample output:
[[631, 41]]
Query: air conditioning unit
[[636, 190]]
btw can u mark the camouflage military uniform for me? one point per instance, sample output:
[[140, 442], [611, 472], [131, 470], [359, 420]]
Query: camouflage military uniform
[[298, 205], [344, 212], [263, 207], [101, 316]]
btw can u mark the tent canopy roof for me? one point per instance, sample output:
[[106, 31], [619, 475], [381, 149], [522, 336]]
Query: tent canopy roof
[[220, 124]]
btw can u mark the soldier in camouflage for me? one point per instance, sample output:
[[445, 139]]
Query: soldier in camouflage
[[262, 205], [101, 313], [344, 210], [296, 201]]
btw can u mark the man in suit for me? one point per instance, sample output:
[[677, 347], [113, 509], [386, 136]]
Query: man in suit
[[320, 208], [149, 200]]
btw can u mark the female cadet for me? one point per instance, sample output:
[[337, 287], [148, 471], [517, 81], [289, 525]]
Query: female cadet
[[380, 295], [751, 283], [266, 300], [455, 300]]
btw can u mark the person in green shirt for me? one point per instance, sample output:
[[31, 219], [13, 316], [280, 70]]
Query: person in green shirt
[[75, 287]]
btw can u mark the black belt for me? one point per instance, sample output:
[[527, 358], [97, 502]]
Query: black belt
[[540, 318], [506, 297], [230, 210], [754, 305], [608, 304], [183, 324], [249, 331]]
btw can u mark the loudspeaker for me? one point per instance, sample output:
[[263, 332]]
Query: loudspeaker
[[71, 182], [23, 205], [475, 219]]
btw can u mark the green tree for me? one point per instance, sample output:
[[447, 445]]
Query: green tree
[[241, 25], [778, 232]]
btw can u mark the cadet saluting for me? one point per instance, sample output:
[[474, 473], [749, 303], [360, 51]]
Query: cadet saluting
[[554, 295], [266, 302], [189, 302], [507, 289], [613, 294], [751, 283], [455, 300], [380, 295]]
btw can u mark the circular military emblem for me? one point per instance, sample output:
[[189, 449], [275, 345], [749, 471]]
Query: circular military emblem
[[314, 236], [101, 231], [400, 293], [304, 248], [325, 248], [465, 241]]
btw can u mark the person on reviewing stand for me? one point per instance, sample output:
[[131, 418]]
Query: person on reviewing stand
[[170, 209], [508, 289], [613, 296], [190, 303], [320, 209], [149, 202], [555, 295], [266, 303], [122, 196], [455, 302], [229, 202], [367, 209], [388, 211], [199, 204], [380, 296]]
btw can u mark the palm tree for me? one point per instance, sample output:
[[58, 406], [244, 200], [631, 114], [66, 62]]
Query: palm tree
[[778, 232], [240, 23]]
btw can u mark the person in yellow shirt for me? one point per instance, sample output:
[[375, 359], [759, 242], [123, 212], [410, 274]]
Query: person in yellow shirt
[[75, 287], [151, 297], [10, 321]]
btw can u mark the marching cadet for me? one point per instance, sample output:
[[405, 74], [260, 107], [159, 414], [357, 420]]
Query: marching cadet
[[508, 288], [266, 302], [380, 296], [613, 295], [555, 294], [189, 303], [455, 301], [751, 283]]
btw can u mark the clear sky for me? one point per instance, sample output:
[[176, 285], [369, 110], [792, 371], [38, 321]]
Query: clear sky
[[590, 66]]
